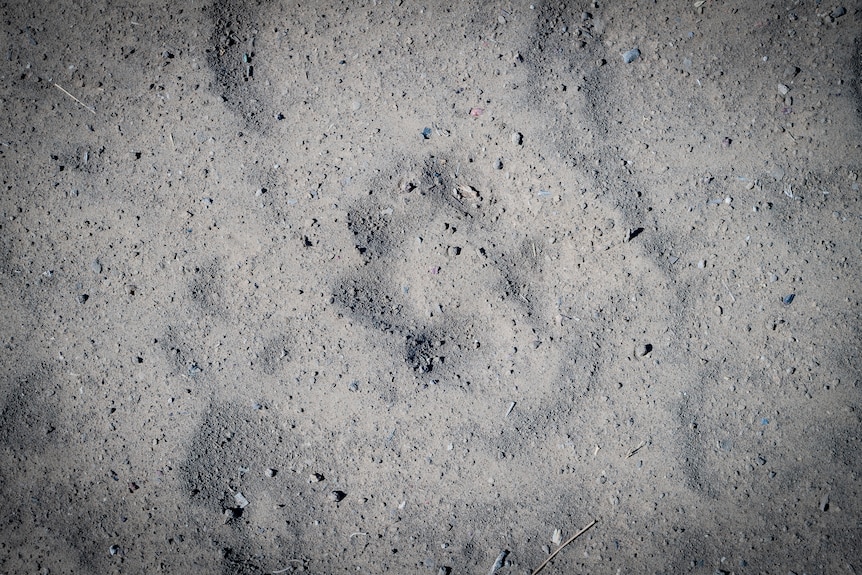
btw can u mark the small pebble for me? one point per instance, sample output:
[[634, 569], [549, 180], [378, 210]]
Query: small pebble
[[270, 472], [631, 55], [498, 164], [838, 12], [701, 264], [824, 503], [96, 266], [356, 105], [791, 71], [240, 500], [337, 496], [315, 478], [114, 549], [643, 349], [517, 138], [783, 89], [83, 298]]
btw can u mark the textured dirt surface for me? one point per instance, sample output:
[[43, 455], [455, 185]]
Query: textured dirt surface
[[394, 287]]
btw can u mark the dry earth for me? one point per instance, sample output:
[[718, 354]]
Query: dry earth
[[392, 287]]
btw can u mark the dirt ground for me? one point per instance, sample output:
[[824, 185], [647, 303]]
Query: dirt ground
[[406, 287]]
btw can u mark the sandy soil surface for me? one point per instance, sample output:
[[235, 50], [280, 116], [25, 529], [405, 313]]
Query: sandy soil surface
[[406, 287]]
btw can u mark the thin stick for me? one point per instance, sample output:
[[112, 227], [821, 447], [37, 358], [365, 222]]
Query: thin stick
[[636, 449], [287, 568], [86, 107], [733, 299], [560, 548]]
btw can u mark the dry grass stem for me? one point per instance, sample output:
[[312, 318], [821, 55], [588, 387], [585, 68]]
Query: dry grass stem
[[85, 106], [560, 548]]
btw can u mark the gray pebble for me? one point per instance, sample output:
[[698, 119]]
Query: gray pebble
[[96, 266], [631, 55], [824, 503], [517, 138], [838, 12], [337, 496], [114, 549], [82, 299], [791, 71], [270, 472], [499, 164]]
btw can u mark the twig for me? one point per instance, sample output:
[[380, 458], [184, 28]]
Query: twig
[[86, 107], [289, 568], [733, 299], [636, 449], [560, 548]]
